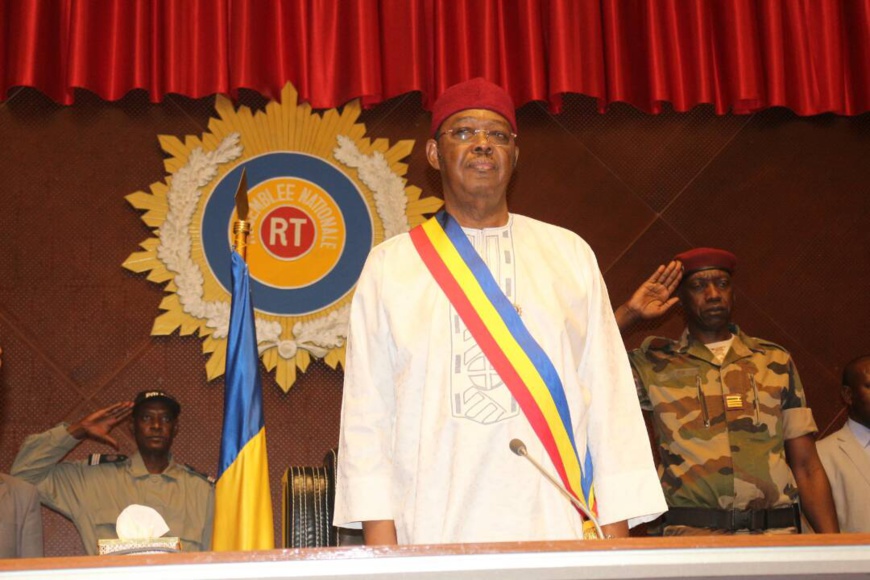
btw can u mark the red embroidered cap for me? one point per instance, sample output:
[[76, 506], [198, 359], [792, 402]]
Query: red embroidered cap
[[698, 259], [477, 93]]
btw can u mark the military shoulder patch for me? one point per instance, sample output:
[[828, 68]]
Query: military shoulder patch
[[762, 344], [198, 473], [657, 343], [100, 458]]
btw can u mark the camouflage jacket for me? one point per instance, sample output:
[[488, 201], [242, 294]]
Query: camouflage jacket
[[721, 429]]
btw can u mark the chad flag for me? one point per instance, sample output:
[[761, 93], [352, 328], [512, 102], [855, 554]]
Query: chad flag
[[243, 503]]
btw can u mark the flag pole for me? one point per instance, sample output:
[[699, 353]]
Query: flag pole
[[243, 518], [242, 227]]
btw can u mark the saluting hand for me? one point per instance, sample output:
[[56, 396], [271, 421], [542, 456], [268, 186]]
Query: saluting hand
[[97, 425], [652, 298]]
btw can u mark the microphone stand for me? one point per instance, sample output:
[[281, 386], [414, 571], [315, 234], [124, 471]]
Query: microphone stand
[[518, 447]]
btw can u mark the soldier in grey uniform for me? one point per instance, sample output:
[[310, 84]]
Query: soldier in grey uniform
[[93, 496], [20, 519], [735, 437]]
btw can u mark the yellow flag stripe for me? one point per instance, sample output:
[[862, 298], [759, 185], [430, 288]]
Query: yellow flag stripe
[[243, 512]]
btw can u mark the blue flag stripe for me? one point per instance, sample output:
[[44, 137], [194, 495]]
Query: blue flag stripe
[[243, 405]]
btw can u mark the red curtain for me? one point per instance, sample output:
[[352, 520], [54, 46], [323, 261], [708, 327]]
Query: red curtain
[[812, 56]]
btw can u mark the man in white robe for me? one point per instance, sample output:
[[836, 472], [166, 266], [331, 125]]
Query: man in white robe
[[426, 421]]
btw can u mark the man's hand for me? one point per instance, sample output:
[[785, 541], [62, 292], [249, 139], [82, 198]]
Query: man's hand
[[615, 530], [97, 425], [814, 490], [380, 533], [652, 298]]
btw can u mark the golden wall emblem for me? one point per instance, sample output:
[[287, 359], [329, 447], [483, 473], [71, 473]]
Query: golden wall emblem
[[321, 195]]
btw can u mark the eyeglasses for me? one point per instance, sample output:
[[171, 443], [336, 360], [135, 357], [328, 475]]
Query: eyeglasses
[[466, 134]]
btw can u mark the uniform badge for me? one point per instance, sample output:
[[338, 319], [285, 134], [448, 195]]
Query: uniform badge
[[733, 402], [201, 474], [101, 458]]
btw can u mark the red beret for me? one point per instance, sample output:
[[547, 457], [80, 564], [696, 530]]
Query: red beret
[[699, 259], [477, 93]]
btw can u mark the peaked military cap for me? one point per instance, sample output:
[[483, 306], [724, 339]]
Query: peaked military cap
[[146, 396]]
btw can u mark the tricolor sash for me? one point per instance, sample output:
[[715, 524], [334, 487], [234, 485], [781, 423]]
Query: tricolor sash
[[506, 342]]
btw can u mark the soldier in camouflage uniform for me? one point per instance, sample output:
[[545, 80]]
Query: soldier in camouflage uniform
[[734, 434]]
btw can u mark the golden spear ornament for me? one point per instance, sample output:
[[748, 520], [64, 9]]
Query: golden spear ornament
[[242, 227]]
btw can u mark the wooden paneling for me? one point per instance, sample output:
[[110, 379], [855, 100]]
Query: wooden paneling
[[789, 195]]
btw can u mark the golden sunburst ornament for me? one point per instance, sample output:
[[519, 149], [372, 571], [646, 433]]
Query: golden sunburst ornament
[[321, 195]]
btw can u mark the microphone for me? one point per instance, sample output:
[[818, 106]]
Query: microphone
[[519, 448]]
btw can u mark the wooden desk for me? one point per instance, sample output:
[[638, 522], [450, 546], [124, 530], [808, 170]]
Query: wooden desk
[[720, 557]]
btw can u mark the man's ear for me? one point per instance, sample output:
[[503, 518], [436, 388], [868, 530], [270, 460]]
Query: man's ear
[[516, 156], [846, 394], [432, 154]]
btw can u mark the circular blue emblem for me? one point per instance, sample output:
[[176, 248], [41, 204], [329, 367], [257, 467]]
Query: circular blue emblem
[[295, 198]]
